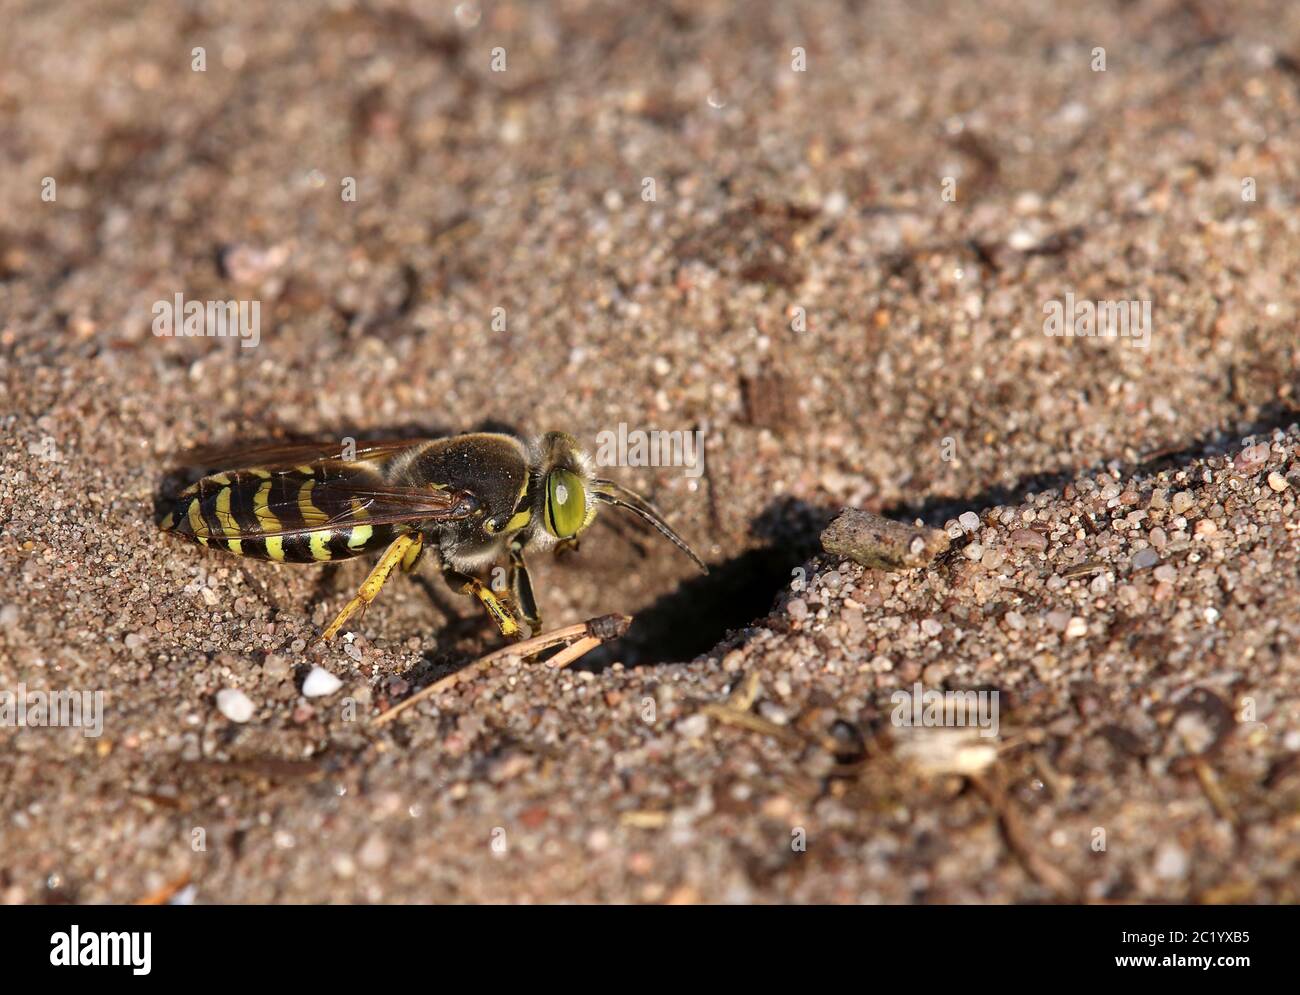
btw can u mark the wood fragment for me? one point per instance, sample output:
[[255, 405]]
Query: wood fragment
[[572, 652], [746, 690], [163, 895], [644, 819], [587, 635], [1083, 569], [881, 543], [1209, 782], [1017, 840], [728, 715]]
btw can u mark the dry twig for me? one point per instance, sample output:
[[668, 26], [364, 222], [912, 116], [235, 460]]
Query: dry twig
[[581, 638]]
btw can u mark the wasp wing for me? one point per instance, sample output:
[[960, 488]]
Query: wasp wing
[[260, 503], [275, 456]]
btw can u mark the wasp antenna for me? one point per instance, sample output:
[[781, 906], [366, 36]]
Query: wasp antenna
[[611, 493]]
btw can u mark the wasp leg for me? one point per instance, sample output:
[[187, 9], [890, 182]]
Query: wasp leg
[[498, 606], [412, 558], [521, 587], [567, 547], [403, 548]]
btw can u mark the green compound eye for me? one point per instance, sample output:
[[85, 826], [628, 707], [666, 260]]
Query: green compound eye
[[566, 504]]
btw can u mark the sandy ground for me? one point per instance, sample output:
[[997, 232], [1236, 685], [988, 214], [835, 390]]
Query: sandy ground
[[807, 287]]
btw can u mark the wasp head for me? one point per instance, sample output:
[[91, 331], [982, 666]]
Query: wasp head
[[571, 493]]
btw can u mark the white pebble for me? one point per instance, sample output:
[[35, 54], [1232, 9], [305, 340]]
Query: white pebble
[[836, 203], [1171, 862], [1022, 240], [1077, 627], [235, 705], [969, 521], [694, 726], [1277, 482], [373, 853], [319, 683]]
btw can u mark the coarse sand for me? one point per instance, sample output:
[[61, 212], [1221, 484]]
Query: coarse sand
[[827, 236]]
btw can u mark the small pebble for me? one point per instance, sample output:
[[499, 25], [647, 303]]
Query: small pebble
[[1277, 482], [1251, 458], [275, 667], [1022, 240], [694, 726], [1145, 559], [373, 853], [235, 705], [1077, 627], [1029, 539], [319, 683], [773, 712], [969, 522], [1171, 862]]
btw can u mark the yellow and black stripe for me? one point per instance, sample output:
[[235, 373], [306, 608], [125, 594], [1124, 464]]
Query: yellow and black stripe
[[275, 516]]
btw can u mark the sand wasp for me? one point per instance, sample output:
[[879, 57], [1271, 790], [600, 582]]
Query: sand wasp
[[477, 499]]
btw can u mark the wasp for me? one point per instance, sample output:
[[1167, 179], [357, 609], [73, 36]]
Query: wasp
[[477, 499]]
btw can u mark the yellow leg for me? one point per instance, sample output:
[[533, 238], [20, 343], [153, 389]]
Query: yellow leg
[[497, 606], [401, 548], [412, 558]]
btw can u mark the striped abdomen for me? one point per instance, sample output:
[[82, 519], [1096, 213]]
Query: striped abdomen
[[241, 511]]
